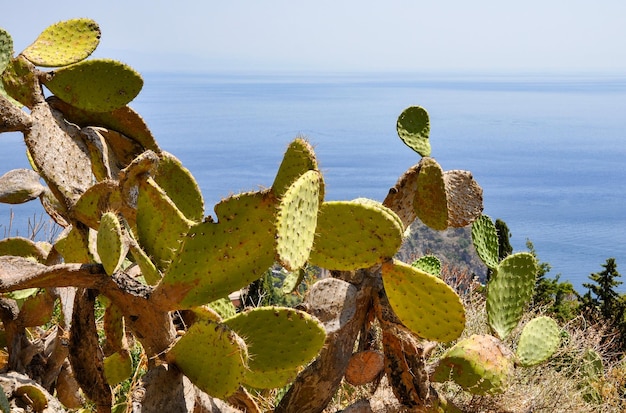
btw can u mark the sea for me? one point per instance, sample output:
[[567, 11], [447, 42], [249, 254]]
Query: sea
[[549, 150]]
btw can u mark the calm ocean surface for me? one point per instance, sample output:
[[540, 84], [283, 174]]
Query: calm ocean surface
[[549, 151]]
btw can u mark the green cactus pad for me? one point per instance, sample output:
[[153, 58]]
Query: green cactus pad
[[279, 341], [216, 259], [431, 201], [23, 247], [352, 235], [64, 43], [212, 356], [479, 364], [118, 367], [485, 239], [73, 245], [413, 128], [6, 49], [298, 159], [180, 186], [99, 198], [429, 264], [465, 198], [224, 307], [110, 242], [123, 120], [509, 291], [113, 325], [540, 338], [149, 270], [36, 310], [20, 185], [160, 224], [292, 280], [297, 219], [401, 198], [424, 303], [20, 82], [98, 85]]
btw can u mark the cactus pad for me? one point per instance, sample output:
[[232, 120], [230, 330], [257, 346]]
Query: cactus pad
[[22, 247], [111, 248], [429, 264], [509, 291], [352, 235], [99, 198], [485, 239], [431, 203], [224, 307], [20, 185], [6, 49], [149, 270], [479, 364], [297, 219], [299, 158], [465, 198], [413, 128], [424, 303], [99, 85], [216, 259], [212, 356], [180, 186], [401, 198], [539, 340], [118, 367], [279, 341], [64, 43], [19, 81], [73, 245]]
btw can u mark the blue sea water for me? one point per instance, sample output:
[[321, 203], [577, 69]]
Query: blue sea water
[[548, 150]]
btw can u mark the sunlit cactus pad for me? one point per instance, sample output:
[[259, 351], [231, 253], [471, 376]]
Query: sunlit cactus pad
[[431, 202], [299, 158], [111, 248], [353, 234], [485, 239], [479, 364], [180, 186], [279, 340], [98, 85], [509, 291], [424, 303], [64, 43], [540, 338], [414, 128]]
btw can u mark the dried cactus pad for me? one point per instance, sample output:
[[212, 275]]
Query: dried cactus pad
[[299, 158], [479, 364], [110, 243], [413, 128], [431, 200], [465, 198], [297, 220], [352, 235], [424, 303], [6, 49], [98, 85], [485, 239], [20, 185], [64, 43], [212, 356], [539, 340], [216, 259], [279, 340], [510, 289]]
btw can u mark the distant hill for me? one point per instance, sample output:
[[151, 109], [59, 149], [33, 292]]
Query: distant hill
[[453, 247]]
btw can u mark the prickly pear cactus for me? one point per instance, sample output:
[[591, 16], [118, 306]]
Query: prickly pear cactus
[[413, 128], [540, 338]]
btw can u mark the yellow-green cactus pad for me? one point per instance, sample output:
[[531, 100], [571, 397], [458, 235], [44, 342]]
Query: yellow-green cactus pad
[[279, 341], [212, 356], [95, 201], [180, 186], [485, 239], [479, 364], [424, 303], [161, 226], [36, 310], [123, 120], [352, 235], [19, 81], [111, 247], [118, 367], [20, 185], [98, 85], [22, 247], [217, 259], [64, 43], [429, 264], [73, 245], [149, 270], [297, 220], [431, 200], [298, 159], [465, 198], [413, 128], [224, 307], [539, 340], [509, 291]]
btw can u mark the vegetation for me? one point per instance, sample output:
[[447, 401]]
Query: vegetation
[[127, 308]]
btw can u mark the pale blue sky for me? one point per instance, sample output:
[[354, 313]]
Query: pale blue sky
[[349, 35]]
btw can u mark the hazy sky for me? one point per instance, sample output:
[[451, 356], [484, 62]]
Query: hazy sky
[[344, 35]]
